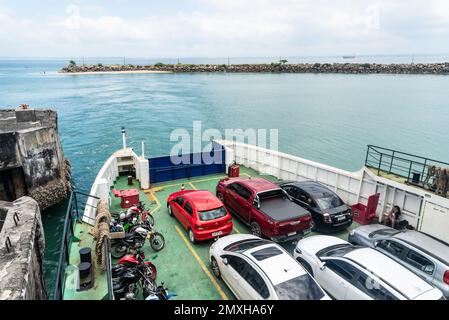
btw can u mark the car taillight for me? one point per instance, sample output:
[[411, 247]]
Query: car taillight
[[446, 277]]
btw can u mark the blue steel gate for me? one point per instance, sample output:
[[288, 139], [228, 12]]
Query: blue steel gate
[[163, 169]]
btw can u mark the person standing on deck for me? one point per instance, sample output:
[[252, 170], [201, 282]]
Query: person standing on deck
[[391, 218]]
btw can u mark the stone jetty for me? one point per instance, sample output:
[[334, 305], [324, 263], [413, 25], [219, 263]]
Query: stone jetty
[[279, 67], [32, 161]]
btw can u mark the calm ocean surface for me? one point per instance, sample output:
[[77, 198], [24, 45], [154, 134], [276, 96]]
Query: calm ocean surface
[[326, 118]]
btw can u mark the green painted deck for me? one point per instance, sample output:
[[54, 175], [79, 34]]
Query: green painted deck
[[99, 291], [182, 266]]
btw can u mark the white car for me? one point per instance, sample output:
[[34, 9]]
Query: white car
[[353, 272], [257, 269]]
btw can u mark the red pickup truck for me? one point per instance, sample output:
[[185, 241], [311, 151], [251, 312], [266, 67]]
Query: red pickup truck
[[265, 207]]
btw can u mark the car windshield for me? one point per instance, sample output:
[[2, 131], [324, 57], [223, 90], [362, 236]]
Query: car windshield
[[337, 250], [243, 245], [328, 201], [384, 232], [299, 288], [212, 214]]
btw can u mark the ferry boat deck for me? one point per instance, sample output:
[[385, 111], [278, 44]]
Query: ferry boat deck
[[181, 265]]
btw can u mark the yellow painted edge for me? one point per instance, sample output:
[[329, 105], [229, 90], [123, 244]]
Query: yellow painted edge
[[193, 181], [157, 202], [202, 265], [193, 187]]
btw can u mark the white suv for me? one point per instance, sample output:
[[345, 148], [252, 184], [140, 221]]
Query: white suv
[[352, 272], [256, 269]]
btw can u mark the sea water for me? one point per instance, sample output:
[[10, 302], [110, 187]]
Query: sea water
[[329, 118]]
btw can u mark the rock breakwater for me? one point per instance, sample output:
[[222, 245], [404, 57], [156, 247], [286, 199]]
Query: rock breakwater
[[345, 68]]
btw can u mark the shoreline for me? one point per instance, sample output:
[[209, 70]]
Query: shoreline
[[279, 67], [113, 72]]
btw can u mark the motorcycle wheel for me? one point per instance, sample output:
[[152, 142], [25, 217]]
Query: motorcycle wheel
[[157, 241], [148, 287], [151, 271], [118, 250], [149, 219]]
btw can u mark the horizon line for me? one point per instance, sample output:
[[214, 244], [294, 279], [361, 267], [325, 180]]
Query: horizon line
[[225, 57]]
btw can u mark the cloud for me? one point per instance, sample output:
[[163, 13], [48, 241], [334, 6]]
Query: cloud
[[233, 27]]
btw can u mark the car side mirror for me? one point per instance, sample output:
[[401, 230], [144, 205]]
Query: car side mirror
[[322, 266], [225, 261], [257, 202]]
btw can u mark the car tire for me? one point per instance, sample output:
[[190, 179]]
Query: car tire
[[220, 196], [192, 236], [170, 212], [254, 227], [214, 267]]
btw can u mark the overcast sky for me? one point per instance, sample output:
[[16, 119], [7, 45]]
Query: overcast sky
[[219, 28]]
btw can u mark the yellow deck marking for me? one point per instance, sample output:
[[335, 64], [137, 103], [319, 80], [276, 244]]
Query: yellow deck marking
[[157, 202], [235, 228], [245, 174], [202, 265], [193, 181], [193, 187]]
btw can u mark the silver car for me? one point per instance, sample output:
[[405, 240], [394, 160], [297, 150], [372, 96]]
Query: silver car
[[424, 255]]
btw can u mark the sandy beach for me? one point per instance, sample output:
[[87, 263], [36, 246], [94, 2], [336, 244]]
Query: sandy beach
[[113, 72]]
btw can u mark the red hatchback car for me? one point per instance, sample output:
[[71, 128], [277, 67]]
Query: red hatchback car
[[201, 213]]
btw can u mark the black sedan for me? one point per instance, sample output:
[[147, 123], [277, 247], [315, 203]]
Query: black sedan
[[327, 208]]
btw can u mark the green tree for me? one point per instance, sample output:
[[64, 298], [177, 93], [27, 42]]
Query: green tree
[[72, 63]]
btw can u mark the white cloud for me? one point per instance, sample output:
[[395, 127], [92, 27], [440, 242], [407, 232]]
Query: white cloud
[[233, 27]]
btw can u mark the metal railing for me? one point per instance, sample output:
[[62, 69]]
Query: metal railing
[[72, 215], [415, 169], [108, 268]]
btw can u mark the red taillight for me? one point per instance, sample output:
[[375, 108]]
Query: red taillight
[[446, 277]]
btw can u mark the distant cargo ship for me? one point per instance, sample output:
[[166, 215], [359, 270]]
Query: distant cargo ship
[[349, 57]]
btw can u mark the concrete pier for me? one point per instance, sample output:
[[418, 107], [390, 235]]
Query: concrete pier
[[32, 162], [22, 244]]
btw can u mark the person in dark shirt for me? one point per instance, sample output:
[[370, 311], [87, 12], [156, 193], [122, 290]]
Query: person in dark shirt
[[391, 218]]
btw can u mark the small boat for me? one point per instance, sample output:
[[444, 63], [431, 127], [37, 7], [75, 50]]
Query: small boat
[[349, 57]]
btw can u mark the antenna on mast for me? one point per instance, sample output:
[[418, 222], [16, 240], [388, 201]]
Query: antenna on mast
[[124, 137]]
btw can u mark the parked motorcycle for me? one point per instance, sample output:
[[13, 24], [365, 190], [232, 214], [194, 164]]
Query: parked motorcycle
[[137, 260], [132, 240], [145, 216], [157, 240], [161, 293], [133, 216], [135, 238], [125, 287]]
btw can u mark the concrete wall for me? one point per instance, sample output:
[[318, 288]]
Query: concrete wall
[[21, 275], [29, 142]]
